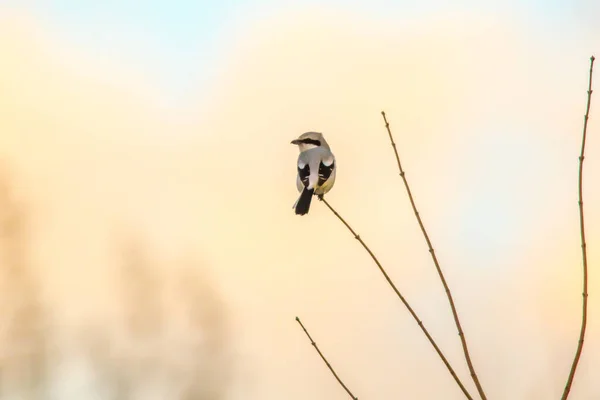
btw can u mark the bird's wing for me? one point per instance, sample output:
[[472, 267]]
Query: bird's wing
[[326, 167], [303, 171]]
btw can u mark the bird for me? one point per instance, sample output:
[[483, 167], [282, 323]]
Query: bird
[[316, 169]]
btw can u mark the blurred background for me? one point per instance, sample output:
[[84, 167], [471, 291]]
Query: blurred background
[[148, 245]]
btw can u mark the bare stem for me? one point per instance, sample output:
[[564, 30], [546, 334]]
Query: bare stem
[[325, 360], [583, 245], [461, 333], [408, 307]]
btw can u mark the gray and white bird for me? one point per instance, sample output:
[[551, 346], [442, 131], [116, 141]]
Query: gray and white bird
[[316, 169]]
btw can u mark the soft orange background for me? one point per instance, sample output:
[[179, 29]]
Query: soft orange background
[[487, 116]]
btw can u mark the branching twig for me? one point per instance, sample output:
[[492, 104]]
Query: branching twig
[[583, 245], [410, 310], [325, 360], [461, 333]]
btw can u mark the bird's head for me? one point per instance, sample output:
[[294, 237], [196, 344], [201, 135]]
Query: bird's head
[[309, 140]]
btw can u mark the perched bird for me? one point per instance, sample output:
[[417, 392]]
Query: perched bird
[[316, 169]]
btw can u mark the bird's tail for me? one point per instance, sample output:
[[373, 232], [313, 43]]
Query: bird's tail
[[303, 203]]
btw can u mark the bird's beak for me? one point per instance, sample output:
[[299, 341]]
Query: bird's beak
[[295, 141]]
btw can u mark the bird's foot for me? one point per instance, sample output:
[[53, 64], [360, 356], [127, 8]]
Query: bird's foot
[[320, 196]]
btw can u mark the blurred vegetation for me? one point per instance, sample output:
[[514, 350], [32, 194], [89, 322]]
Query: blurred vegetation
[[169, 339]]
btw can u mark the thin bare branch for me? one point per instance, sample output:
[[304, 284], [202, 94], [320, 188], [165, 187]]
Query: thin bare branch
[[325, 360], [461, 333], [408, 307], [583, 245]]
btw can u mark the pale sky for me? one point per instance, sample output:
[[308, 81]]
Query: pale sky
[[165, 127], [179, 43]]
